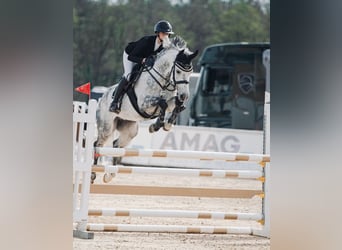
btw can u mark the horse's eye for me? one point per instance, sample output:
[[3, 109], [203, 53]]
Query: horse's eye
[[178, 71]]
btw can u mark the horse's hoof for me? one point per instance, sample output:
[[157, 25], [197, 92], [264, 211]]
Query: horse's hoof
[[151, 128], [96, 159], [93, 177], [167, 126], [107, 177]]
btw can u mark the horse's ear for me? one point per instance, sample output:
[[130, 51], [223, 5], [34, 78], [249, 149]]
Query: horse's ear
[[193, 55]]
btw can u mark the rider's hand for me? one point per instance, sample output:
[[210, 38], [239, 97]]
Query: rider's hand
[[149, 61]]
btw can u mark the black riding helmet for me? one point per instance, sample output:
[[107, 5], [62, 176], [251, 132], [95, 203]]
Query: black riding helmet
[[163, 26]]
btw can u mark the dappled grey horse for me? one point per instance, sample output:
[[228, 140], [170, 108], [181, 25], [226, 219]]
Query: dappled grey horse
[[159, 93]]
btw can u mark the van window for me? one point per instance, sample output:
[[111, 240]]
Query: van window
[[217, 81], [231, 89]]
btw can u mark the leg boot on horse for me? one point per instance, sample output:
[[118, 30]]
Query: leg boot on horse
[[118, 94]]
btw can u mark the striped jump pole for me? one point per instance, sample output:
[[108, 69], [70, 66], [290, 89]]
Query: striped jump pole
[[168, 229], [175, 214], [201, 155], [119, 169]]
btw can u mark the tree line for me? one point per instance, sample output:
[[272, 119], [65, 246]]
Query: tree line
[[103, 28]]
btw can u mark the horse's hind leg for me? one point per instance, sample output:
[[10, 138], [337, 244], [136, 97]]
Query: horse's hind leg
[[105, 132], [128, 130]]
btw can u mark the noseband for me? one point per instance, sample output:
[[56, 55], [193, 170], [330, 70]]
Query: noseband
[[171, 84]]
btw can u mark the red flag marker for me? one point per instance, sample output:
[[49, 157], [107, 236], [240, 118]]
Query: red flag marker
[[85, 88]]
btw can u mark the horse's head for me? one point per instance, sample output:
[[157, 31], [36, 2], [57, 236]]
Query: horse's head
[[182, 72], [182, 66], [175, 59]]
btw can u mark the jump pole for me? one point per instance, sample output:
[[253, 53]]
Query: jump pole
[[199, 155], [168, 229], [119, 169], [175, 214]]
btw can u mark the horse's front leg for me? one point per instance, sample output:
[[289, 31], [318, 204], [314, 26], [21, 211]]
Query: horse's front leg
[[178, 107], [160, 120]]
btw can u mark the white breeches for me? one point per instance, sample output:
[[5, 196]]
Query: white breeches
[[128, 65]]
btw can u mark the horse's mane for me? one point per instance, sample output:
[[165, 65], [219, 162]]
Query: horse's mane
[[177, 43]]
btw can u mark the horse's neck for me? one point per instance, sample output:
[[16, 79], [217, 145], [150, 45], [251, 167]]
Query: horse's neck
[[148, 90], [163, 66], [165, 62]]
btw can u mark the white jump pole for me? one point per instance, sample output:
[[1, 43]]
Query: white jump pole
[[168, 229], [175, 214], [119, 169], [201, 155]]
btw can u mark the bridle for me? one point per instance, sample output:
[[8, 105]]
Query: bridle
[[170, 84]]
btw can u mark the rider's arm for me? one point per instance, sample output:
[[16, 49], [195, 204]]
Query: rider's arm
[[142, 49]]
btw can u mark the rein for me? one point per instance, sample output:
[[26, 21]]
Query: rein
[[170, 82]]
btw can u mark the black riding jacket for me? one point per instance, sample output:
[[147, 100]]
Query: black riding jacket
[[142, 48]]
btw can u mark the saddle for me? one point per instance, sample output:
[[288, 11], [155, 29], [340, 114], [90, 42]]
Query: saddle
[[129, 91], [135, 74]]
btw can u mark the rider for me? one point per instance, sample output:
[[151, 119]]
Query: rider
[[139, 52]]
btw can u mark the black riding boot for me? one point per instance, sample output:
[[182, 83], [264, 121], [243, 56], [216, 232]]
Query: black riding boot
[[118, 94]]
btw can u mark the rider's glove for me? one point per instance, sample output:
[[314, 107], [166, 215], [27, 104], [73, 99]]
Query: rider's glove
[[149, 61]]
